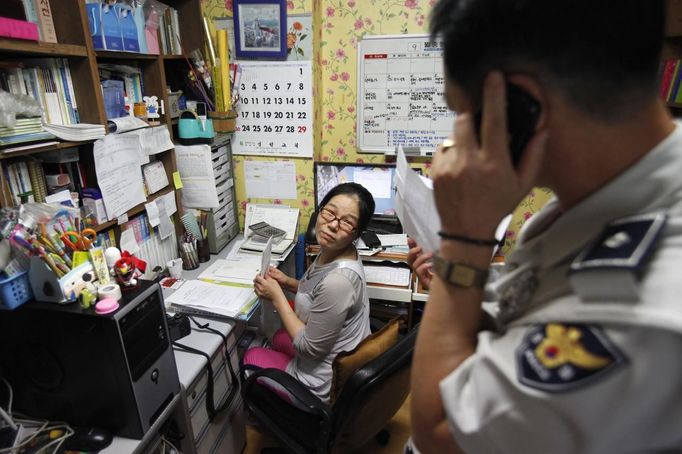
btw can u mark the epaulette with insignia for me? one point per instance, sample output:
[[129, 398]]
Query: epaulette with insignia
[[560, 357], [610, 268]]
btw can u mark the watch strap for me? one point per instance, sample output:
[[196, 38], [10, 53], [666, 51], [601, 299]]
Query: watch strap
[[459, 274]]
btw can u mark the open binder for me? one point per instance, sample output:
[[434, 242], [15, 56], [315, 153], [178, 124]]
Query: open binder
[[282, 217]]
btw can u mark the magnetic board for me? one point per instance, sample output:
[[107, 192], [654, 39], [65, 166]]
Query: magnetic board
[[401, 94]]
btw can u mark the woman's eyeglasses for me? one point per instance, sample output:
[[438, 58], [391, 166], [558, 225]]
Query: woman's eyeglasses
[[330, 216]]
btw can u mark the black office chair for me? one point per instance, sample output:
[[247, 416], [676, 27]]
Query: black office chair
[[367, 401]]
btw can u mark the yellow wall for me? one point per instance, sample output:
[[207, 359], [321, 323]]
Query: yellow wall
[[338, 26]]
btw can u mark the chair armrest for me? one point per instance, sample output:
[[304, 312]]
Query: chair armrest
[[307, 401]]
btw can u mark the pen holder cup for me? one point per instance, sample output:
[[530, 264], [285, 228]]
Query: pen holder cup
[[47, 287], [203, 250], [189, 256], [15, 291]]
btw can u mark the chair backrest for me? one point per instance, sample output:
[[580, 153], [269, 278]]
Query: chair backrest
[[371, 396]]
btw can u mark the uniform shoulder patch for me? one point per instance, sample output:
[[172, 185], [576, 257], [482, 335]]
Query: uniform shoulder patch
[[559, 357]]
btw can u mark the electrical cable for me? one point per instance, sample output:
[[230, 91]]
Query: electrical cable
[[206, 326], [27, 440], [210, 398], [11, 394], [165, 442]]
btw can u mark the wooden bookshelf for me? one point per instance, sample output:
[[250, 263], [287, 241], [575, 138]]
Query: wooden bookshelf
[[75, 45]]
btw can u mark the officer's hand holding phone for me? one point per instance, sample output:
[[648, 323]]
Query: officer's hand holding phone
[[492, 166]]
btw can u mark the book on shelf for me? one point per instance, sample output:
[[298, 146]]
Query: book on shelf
[[131, 77], [18, 29], [45, 20], [38, 183], [22, 126], [23, 138], [18, 177], [47, 81]]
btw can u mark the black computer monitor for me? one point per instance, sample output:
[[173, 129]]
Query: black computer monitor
[[377, 178]]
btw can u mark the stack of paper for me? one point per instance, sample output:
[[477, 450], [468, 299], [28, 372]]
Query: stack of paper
[[76, 132], [280, 216], [198, 297]]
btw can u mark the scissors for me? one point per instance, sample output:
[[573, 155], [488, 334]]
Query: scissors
[[79, 241]]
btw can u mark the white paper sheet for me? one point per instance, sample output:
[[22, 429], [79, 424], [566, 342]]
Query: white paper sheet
[[167, 202], [155, 176], [196, 171], [415, 206], [128, 242], [265, 258], [238, 270], [155, 140], [270, 179], [123, 124], [165, 225], [219, 299], [117, 165]]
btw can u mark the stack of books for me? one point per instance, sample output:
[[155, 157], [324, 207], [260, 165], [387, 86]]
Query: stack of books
[[25, 130], [77, 132]]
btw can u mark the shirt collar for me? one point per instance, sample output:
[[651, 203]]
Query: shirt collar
[[644, 187]]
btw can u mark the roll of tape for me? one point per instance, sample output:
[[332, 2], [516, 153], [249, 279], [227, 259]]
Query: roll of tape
[[109, 291]]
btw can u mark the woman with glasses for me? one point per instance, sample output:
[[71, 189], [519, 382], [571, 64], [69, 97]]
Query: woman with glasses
[[331, 306]]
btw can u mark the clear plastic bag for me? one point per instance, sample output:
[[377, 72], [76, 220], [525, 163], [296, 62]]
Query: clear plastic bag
[[12, 105]]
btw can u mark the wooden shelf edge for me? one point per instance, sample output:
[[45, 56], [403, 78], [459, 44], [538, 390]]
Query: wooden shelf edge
[[124, 55], [174, 57], [40, 149], [42, 48]]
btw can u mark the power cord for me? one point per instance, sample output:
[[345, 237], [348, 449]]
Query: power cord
[[210, 398]]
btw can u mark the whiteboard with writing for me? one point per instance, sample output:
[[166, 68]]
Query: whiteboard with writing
[[401, 94]]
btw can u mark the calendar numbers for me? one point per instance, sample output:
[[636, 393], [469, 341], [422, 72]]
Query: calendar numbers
[[274, 109]]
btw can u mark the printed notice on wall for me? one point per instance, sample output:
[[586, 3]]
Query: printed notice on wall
[[275, 109], [270, 179], [401, 95]]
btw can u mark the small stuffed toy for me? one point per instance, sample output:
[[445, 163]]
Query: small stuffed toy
[[128, 269]]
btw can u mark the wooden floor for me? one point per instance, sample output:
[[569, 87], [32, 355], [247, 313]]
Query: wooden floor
[[399, 427]]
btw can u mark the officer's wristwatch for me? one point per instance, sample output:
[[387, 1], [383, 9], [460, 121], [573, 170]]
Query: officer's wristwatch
[[459, 274]]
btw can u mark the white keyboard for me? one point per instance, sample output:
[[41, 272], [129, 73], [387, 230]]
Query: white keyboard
[[387, 275]]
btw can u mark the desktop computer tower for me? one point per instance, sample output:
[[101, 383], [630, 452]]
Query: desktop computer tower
[[114, 371]]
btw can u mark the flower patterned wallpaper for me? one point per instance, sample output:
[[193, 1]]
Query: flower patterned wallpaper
[[338, 25]]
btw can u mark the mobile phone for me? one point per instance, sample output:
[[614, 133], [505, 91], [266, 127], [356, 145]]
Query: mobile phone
[[523, 112], [201, 110]]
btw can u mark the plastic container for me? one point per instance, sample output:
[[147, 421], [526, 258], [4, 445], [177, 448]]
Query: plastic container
[[15, 291]]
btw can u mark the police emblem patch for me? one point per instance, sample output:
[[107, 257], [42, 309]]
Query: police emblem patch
[[558, 357]]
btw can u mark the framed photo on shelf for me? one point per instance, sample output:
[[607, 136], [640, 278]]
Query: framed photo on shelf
[[260, 29]]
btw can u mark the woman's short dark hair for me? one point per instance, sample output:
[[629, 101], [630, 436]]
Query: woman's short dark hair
[[363, 196]]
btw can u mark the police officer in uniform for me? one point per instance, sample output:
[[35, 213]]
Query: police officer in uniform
[[585, 355]]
